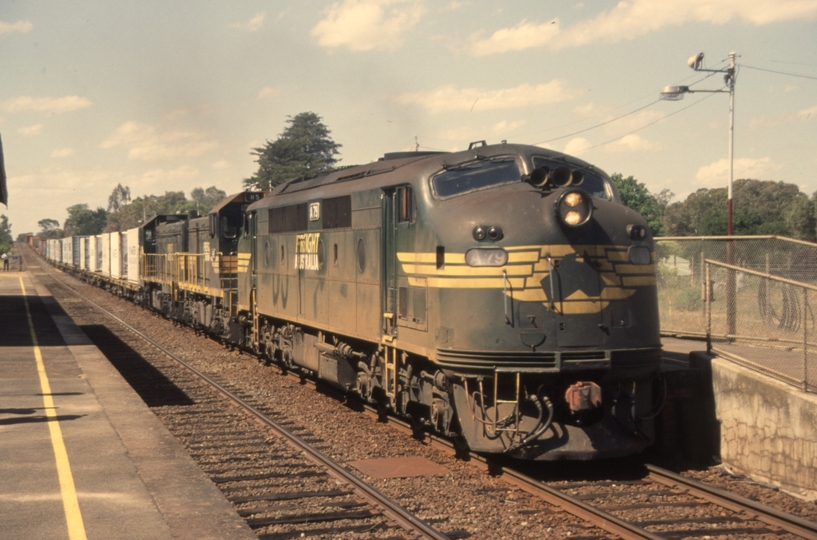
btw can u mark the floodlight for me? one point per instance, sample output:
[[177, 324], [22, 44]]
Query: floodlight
[[695, 61], [674, 93]]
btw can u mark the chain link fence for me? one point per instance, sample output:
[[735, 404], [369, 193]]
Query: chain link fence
[[758, 310], [762, 321]]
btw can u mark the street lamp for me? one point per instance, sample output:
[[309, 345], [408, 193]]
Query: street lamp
[[676, 93]]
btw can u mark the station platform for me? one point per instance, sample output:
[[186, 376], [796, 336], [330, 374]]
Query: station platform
[[81, 456], [676, 351]]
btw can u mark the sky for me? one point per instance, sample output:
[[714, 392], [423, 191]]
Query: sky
[[173, 95]]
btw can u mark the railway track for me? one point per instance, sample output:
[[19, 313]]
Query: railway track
[[687, 508], [655, 504], [665, 505], [279, 481]]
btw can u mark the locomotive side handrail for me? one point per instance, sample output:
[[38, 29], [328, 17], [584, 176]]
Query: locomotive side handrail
[[155, 267], [190, 269]]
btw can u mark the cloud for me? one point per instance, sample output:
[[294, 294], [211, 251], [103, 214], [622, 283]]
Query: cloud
[[57, 183], [717, 174], [783, 118], [631, 143], [449, 98], [253, 25], [524, 35], [62, 152], [19, 26], [576, 146], [220, 164], [633, 18], [45, 104], [806, 114], [363, 25], [269, 92], [587, 110], [147, 143], [469, 133], [30, 131], [631, 122], [503, 126], [172, 177]]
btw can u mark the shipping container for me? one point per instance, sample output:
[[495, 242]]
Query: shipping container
[[67, 251], [105, 255], [134, 255], [116, 255]]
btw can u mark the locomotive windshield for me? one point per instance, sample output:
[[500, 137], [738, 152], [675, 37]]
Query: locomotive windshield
[[474, 176], [593, 183]]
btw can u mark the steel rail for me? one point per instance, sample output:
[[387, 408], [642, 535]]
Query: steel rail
[[771, 516], [392, 510], [600, 518], [579, 508]]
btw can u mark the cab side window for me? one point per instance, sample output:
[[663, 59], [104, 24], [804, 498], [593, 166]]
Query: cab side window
[[405, 205]]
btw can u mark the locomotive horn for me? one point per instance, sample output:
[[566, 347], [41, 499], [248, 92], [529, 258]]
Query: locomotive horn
[[539, 176], [560, 177]]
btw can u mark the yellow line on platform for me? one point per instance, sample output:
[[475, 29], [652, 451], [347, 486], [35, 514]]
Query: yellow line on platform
[[73, 516]]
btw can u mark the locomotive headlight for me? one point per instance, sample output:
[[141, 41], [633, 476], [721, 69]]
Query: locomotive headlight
[[574, 207], [573, 199], [479, 233], [573, 218]]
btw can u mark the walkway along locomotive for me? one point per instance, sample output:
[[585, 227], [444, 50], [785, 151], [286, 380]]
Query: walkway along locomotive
[[500, 295]]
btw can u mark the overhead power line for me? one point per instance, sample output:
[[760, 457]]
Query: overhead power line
[[599, 125], [780, 72], [618, 118], [645, 126]]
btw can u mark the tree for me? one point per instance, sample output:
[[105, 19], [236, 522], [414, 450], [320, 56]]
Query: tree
[[802, 219], [82, 221], [6, 240], [205, 199], [303, 149], [120, 196], [50, 228], [635, 195], [759, 208], [141, 208], [702, 213]]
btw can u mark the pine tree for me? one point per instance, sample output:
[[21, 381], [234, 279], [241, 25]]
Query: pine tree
[[303, 149]]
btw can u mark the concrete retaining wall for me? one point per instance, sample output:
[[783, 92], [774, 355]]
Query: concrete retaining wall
[[768, 429]]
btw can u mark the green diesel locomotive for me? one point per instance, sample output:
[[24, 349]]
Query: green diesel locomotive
[[501, 295]]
